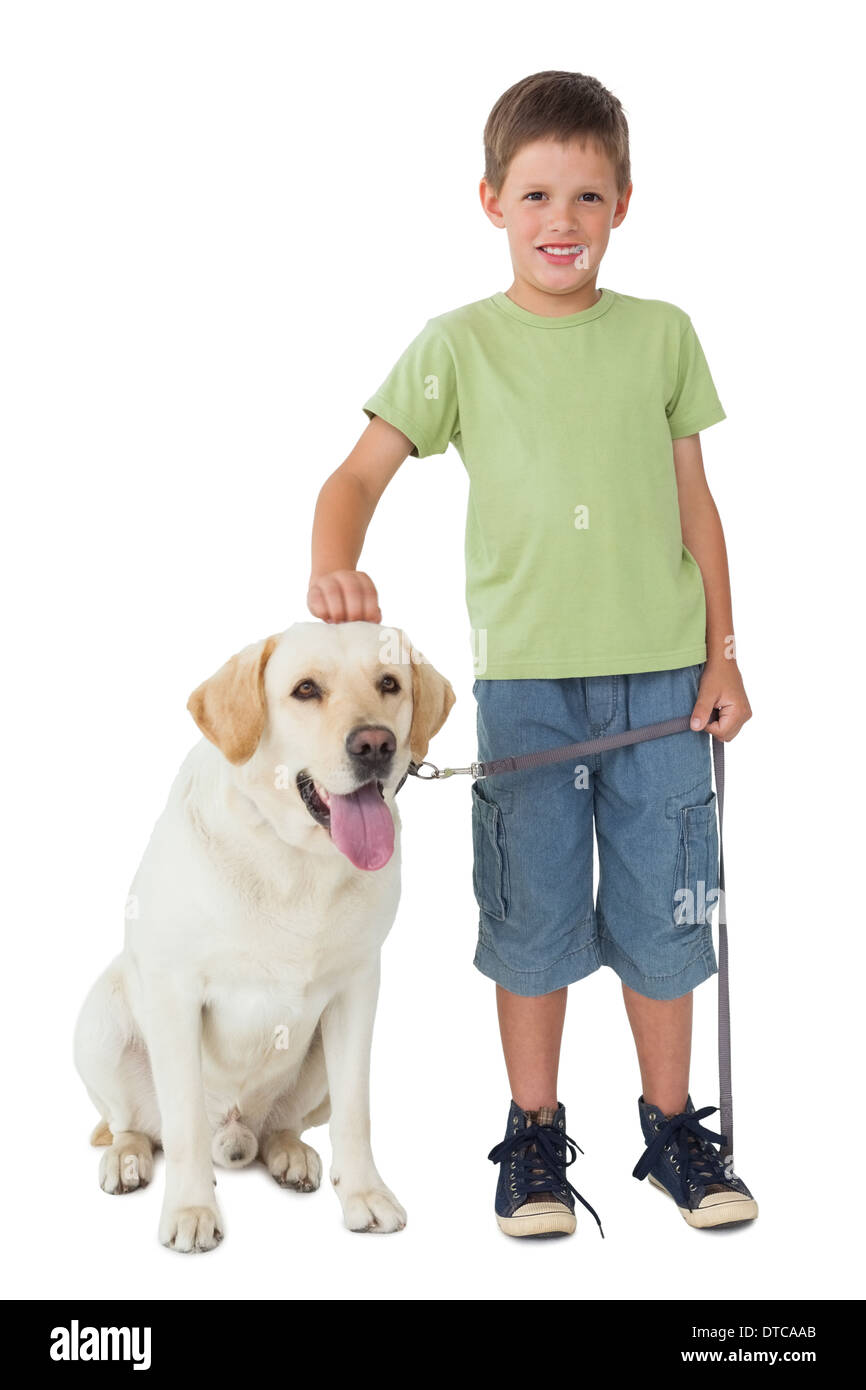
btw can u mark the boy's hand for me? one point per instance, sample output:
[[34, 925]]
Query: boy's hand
[[344, 596], [721, 685]]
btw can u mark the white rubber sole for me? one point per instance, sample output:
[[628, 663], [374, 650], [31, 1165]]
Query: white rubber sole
[[720, 1210], [551, 1219]]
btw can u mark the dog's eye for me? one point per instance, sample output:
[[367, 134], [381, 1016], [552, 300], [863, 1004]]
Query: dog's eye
[[389, 684], [306, 690]]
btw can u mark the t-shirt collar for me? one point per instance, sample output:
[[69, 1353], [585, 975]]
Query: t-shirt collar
[[515, 311]]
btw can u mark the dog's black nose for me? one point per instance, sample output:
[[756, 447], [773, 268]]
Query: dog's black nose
[[372, 749]]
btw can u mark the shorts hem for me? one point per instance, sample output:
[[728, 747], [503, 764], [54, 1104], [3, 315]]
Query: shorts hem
[[700, 968], [570, 968]]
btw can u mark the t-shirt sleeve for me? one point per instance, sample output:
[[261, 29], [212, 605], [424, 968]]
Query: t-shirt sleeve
[[419, 394], [694, 404]]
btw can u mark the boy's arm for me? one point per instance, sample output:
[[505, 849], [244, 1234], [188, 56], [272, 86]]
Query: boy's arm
[[338, 592], [721, 683]]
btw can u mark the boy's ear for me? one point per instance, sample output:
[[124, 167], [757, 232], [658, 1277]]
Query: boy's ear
[[229, 707]]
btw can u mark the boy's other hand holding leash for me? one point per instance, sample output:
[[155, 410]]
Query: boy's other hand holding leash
[[722, 686]]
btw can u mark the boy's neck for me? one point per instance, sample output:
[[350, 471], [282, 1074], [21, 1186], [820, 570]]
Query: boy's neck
[[535, 301]]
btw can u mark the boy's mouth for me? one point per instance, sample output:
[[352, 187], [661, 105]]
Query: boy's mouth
[[576, 253]]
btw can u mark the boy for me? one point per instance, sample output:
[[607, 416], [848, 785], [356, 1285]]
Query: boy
[[598, 592]]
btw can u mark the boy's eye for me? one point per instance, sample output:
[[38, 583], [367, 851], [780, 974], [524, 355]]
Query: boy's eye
[[539, 194]]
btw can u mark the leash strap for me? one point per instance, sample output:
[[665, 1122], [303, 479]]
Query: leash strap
[[623, 740], [590, 745], [726, 1098]]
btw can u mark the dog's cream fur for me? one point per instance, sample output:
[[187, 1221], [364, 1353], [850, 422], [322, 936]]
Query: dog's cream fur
[[240, 1011]]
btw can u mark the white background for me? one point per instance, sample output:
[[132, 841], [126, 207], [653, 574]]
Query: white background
[[223, 224]]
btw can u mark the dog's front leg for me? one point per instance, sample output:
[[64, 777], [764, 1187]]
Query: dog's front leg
[[172, 1025], [347, 1035]]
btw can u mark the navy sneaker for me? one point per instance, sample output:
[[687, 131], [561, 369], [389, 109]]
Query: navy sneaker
[[682, 1160], [533, 1194]]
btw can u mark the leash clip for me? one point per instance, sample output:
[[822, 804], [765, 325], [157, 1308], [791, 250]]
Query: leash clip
[[474, 769]]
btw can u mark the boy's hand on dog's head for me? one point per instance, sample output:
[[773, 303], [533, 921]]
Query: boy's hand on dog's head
[[344, 596]]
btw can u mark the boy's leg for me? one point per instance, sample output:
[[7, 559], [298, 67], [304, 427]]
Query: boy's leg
[[655, 822], [658, 879], [680, 1157], [531, 1032], [533, 1195], [532, 876], [662, 1031], [532, 842]]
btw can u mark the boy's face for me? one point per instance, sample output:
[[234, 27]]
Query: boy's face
[[562, 195]]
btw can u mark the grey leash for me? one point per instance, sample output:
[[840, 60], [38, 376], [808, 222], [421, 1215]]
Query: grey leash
[[602, 745]]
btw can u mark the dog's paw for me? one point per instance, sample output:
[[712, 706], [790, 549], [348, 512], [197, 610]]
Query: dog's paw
[[291, 1162], [127, 1165], [376, 1209], [190, 1228]]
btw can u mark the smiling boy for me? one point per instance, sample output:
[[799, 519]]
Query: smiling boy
[[598, 594]]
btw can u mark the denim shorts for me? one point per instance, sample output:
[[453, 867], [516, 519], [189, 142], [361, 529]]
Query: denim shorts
[[654, 810]]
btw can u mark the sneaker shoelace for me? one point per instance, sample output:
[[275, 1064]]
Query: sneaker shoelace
[[698, 1158], [544, 1115], [539, 1161]]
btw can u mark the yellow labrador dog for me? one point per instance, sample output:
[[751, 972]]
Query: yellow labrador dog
[[240, 1011]]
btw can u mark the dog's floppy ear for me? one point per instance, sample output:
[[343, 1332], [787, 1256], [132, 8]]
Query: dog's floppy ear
[[229, 707], [432, 698]]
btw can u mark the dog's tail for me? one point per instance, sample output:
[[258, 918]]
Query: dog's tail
[[101, 1135]]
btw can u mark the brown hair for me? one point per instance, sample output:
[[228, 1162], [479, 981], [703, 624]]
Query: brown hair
[[558, 105]]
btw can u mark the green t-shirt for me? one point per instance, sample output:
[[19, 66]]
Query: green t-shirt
[[575, 563]]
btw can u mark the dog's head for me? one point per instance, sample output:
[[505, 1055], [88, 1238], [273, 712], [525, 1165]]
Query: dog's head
[[322, 721]]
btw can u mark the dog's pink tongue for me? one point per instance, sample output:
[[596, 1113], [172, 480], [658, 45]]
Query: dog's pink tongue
[[362, 827]]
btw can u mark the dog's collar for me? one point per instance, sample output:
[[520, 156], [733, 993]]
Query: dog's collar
[[413, 766]]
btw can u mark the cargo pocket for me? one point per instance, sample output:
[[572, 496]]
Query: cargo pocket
[[696, 879], [490, 858]]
